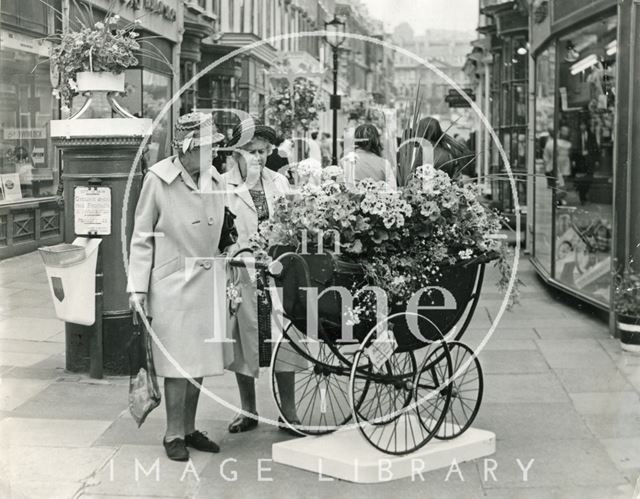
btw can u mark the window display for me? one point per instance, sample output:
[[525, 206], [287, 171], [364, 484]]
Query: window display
[[27, 169], [584, 158]]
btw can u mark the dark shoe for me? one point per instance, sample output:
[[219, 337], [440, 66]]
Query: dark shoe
[[176, 449], [282, 426], [199, 441], [243, 423]]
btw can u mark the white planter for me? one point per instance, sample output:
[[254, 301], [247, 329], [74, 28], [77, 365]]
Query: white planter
[[104, 81]]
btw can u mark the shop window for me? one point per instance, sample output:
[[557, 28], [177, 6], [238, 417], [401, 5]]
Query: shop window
[[27, 166], [156, 94], [509, 119], [584, 158], [543, 156], [31, 15], [146, 94]]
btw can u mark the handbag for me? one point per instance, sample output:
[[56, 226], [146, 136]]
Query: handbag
[[229, 233], [144, 394]]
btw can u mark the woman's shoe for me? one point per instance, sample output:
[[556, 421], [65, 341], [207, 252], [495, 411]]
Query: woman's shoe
[[243, 423], [176, 449], [199, 441], [282, 426]]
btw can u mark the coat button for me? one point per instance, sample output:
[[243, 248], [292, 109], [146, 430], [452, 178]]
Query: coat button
[[206, 265], [210, 220]]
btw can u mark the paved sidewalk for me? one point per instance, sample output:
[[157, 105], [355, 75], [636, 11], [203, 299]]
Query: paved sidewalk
[[558, 390]]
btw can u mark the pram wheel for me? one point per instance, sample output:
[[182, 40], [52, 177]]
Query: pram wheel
[[466, 392], [383, 396], [320, 386]]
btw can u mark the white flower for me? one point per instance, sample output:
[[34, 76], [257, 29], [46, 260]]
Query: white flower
[[72, 84], [137, 21], [332, 171], [56, 93], [99, 25], [465, 254], [65, 109]]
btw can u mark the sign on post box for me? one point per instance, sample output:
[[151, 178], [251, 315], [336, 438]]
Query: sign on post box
[[92, 211], [71, 272]]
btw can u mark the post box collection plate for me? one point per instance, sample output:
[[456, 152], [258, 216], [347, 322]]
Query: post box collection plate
[[92, 211]]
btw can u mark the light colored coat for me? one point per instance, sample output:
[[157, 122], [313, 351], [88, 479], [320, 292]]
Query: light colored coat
[[173, 249], [243, 326]]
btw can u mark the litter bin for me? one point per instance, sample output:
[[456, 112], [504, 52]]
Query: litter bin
[[71, 273]]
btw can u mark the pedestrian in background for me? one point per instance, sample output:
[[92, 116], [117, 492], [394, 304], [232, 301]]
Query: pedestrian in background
[[366, 162], [449, 154]]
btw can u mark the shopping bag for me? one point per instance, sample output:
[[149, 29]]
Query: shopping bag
[[144, 394]]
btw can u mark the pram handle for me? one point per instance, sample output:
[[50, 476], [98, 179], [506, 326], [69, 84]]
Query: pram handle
[[273, 268]]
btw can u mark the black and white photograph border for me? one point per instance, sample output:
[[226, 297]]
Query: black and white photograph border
[[199, 200]]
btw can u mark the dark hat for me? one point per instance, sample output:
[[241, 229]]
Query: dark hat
[[252, 129]]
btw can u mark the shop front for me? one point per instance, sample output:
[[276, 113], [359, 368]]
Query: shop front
[[29, 170], [508, 32], [575, 49], [29, 214]]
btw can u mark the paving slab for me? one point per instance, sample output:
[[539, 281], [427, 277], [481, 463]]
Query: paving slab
[[518, 388], [625, 452], [28, 470], [15, 392], [29, 328], [125, 431], [72, 400], [576, 353], [502, 332], [524, 422], [501, 345], [35, 432], [570, 333], [512, 362], [38, 312], [282, 482], [613, 425], [613, 492], [6, 290], [557, 463], [593, 379], [26, 346], [21, 359], [607, 403], [140, 470]]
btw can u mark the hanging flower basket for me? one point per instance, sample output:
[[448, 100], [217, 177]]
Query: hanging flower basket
[[99, 81]]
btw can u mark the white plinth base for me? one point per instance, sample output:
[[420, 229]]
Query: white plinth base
[[346, 455]]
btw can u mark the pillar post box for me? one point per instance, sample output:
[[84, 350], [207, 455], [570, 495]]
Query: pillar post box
[[97, 156]]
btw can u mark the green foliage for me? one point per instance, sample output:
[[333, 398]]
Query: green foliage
[[627, 292], [296, 107], [402, 238], [101, 47]]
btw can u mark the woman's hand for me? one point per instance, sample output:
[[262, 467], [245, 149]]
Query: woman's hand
[[140, 299]]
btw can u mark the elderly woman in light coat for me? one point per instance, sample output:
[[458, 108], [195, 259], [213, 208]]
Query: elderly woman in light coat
[[253, 190], [175, 277]]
